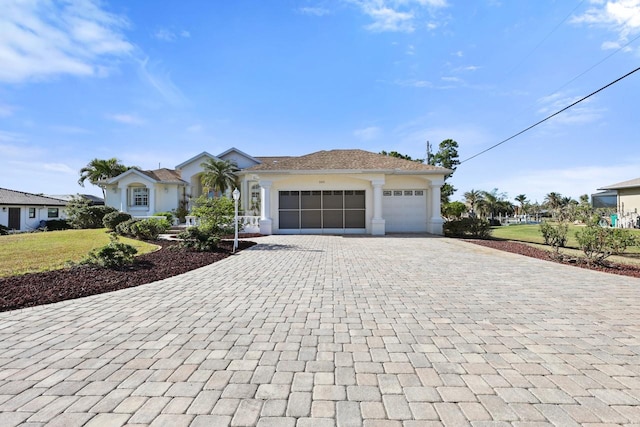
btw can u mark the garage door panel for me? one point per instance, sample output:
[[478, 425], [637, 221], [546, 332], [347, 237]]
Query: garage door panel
[[404, 210]]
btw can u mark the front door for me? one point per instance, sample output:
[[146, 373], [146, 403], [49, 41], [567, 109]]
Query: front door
[[14, 218]]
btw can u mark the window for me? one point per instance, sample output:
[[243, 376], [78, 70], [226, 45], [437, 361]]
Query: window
[[386, 193], [397, 192], [52, 212], [140, 196], [419, 193], [32, 212], [408, 193]]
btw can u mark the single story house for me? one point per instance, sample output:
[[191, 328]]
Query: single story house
[[93, 200], [22, 211], [628, 202], [336, 191]]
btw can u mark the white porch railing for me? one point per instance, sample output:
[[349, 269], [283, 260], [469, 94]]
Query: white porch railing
[[248, 224]]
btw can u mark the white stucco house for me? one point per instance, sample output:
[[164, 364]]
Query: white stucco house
[[22, 211], [627, 202], [336, 192]]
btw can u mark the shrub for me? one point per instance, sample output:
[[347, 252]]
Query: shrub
[[167, 215], [216, 215], [181, 212], [112, 219], [476, 228], [80, 213], [453, 209], [598, 243], [124, 228], [3, 230], [57, 224], [199, 239], [554, 235], [149, 229], [114, 255]]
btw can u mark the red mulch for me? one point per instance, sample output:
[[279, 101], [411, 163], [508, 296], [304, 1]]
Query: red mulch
[[530, 251], [33, 289]]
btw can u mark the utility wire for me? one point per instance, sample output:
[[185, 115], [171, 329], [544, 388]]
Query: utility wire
[[552, 115]]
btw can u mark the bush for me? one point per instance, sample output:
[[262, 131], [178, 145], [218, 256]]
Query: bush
[[216, 215], [3, 230], [468, 227], [80, 213], [554, 235], [168, 215], [112, 219], [125, 228], [149, 229], [57, 224], [114, 255], [199, 239], [598, 243]]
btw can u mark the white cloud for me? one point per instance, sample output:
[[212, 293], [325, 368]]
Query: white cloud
[[314, 11], [72, 130], [619, 16], [41, 39], [161, 82], [6, 110], [398, 15], [128, 119], [167, 35], [414, 83], [58, 167], [368, 133], [581, 113]]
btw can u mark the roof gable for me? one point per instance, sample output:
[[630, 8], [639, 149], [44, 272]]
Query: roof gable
[[344, 160], [234, 153], [195, 158], [632, 183], [12, 197]]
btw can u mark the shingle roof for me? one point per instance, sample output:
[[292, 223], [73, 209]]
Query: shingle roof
[[12, 197], [164, 175], [624, 184], [342, 160]]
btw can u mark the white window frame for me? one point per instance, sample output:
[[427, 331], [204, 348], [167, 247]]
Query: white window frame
[[139, 197]]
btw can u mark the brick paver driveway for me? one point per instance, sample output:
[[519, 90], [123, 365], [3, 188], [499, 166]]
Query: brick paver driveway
[[327, 330]]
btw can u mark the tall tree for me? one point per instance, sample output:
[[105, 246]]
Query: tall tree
[[98, 170], [447, 157], [219, 175], [553, 202], [522, 199], [472, 198], [494, 203], [400, 156]]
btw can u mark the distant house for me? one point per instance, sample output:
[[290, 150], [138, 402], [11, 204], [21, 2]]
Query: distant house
[[93, 200], [627, 202], [336, 191], [22, 211]]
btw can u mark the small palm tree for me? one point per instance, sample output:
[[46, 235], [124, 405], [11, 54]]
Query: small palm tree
[[219, 175], [472, 198], [553, 201], [522, 199], [98, 170]]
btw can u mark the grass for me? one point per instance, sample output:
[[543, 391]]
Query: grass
[[36, 252], [530, 233]]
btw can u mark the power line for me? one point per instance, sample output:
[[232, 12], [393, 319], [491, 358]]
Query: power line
[[552, 115]]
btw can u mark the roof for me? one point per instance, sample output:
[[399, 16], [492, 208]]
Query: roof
[[12, 197], [203, 154], [95, 200], [624, 184], [344, 160], [162, 175]]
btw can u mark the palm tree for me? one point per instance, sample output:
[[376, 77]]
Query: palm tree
[[472, 198], [219, 175], [553, 201], [522, 199], [98, 170]]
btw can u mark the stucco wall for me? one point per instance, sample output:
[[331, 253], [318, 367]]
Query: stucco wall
[[27, 223], [630, 198]]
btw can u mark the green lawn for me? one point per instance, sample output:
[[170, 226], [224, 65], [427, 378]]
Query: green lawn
[[530, 233], [33, 252]]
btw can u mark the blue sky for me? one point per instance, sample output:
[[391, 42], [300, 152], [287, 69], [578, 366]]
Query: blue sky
[[156, 83]]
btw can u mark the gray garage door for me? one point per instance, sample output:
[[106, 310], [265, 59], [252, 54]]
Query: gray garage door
[[322, 211]]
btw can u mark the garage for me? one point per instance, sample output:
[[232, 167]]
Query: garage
[[322, 211], [405, 211]]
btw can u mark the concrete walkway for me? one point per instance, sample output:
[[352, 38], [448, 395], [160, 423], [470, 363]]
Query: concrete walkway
[[325, 330]]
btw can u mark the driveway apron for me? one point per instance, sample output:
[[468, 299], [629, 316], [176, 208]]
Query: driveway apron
[[335, 331]]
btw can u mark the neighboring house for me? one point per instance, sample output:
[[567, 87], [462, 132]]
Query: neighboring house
[[93, 200], [337, 191], [627, 201], [23, 211]]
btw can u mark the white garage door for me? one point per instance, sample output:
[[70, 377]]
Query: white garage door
[[405, 211]]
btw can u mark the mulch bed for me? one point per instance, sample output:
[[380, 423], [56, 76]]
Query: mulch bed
[[530, 251], [33, 289]]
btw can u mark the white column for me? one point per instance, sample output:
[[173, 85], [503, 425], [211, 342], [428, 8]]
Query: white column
[[123, 199], [152, 199], [377, 222], [436, 221], [266, 224]]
